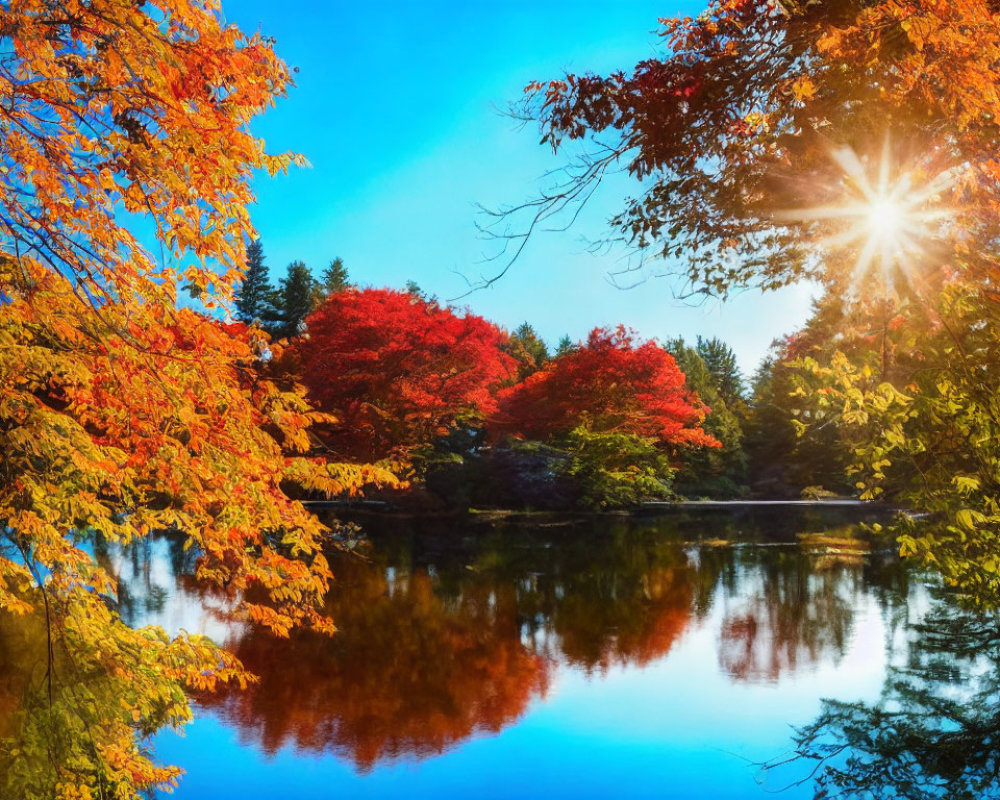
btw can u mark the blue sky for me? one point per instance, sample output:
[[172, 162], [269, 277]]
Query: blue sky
[[396, 109]]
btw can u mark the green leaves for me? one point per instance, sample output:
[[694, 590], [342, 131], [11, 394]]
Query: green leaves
[[934, 447]]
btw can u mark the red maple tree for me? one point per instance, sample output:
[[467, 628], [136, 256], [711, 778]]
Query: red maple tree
[[611, 384], [396, 370]]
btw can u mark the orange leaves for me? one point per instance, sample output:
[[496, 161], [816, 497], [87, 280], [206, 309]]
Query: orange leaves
[[119, 413], [150, 101], [730, 127], [802, 88]]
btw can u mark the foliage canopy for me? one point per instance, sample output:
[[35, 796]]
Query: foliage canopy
[[120, 413], [611, 384], [397, 370]]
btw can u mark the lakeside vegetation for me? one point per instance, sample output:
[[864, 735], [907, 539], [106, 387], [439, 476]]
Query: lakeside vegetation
[[471, 415]]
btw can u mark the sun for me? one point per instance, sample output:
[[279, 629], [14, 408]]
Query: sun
[[885, 218], [887, 214]]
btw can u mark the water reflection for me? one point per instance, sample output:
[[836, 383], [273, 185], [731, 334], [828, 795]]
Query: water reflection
[[935, 729], [408, 672], [449, 631], [789, 611], [443, 635]]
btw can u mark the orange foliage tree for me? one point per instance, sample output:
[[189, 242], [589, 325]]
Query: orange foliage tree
[[121, 414], [760, 111], [611, 384], [396, 370]]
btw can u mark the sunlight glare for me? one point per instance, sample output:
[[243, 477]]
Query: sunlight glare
[[886, 214], [885, 218]]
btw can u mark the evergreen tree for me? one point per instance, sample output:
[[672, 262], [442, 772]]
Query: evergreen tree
[[253, 298], [721, 362], [412, 287], [335, 277], [565, 346], [790, 441], [529, 350], [293, 301], [717, 471]]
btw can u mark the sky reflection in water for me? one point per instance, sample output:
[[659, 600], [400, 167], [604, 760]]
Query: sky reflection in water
[[613, 657]]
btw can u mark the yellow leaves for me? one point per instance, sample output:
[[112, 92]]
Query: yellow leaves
[[70, 791], [197, 157], [968, 519], [278, 623], [966, 484], [802, 88], [119, 413], [756, 121], [339, 480]]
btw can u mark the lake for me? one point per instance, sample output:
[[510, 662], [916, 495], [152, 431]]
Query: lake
[[595, 656]]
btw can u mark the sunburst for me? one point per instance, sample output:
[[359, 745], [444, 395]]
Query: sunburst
[[890, 216]]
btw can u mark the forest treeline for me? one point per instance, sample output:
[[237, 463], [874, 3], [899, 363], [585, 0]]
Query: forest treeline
[[471, 415]]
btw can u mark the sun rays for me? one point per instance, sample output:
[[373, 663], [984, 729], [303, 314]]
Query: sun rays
[[889, 215]]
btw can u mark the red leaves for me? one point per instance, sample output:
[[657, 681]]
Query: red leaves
[[396, 369], [611, 384]]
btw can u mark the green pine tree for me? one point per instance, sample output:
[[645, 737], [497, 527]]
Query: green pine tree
[[255, 293], [565, 346], [412, 287], [714, 472], [293, 301], [529, 350], [335, 277], [721, 362]]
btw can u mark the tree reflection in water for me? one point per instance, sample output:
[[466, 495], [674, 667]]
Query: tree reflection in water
[[446, 635], [443, 638], [795, 611], [934, 731], [406, 673]]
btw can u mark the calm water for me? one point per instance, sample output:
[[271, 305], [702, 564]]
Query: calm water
[[614, 657]]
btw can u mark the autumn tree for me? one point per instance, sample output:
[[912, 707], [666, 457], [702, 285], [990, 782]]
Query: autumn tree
[[254, 295], [397, 370], [852, 143], [763, 130], [619, 410], [120, 413], [613, 384]]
